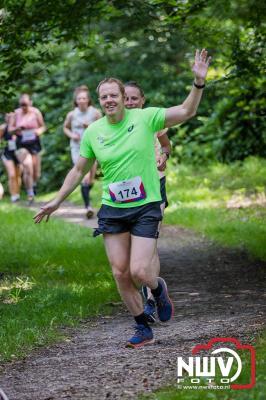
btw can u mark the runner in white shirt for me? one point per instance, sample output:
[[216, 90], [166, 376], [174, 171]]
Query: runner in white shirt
[[75, 124]]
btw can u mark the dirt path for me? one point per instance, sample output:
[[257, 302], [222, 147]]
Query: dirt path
[[216, 292]]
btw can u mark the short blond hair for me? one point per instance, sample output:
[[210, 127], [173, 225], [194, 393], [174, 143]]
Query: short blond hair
[[112, 80]]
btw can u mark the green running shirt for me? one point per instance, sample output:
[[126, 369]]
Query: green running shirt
[[126, 150]]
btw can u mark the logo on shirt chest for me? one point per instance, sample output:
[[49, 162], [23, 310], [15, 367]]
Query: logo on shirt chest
[[100, 139], [104, 142], [130, 129]]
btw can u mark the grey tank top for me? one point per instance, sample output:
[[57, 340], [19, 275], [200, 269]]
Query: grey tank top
[[79, 118]]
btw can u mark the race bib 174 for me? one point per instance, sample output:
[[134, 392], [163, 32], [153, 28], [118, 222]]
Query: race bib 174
[[127, 191]]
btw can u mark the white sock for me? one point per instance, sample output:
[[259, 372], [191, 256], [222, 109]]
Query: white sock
[[15, 197], [30, 192]]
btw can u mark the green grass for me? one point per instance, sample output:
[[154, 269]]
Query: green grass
[[213, 200], [51, 275], [256, 393]]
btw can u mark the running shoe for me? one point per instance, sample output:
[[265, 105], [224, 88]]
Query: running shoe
[[89, 212], [165, 307], [150, 310], [149, 306], [143, 335]]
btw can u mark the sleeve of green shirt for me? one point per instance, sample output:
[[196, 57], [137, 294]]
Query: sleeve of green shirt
[[85, 145], [155, 118]]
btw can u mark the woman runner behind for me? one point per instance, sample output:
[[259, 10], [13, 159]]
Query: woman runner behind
[[28, 124], [75, 124], [10, 161]]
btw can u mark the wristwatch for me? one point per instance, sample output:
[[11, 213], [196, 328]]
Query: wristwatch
[[199, 86], [167, 154]]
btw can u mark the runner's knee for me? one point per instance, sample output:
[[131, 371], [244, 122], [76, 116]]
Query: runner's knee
[[121, 273], [140, 273], [22, 155], [27, 163], [12, 175]]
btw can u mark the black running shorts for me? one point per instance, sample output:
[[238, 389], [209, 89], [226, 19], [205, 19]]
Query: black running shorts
[[10, 155], [33, 147], [141, 221]]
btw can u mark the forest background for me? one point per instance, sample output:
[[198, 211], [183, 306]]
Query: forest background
[[216, 177], [48, 48]]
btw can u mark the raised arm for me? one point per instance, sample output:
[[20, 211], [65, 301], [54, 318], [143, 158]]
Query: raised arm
[[71, 181], [176, 115]]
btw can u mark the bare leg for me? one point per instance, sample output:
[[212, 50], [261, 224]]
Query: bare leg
[[1, 191], [25, 159], [155, 258], [13, 183], [143, 254], [36, 161], [118, 252], [18, 176]]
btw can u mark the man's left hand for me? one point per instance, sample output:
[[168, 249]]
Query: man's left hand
[[161, 162]]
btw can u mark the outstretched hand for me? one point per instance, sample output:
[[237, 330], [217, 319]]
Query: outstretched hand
[[201, 64], [46, 211]]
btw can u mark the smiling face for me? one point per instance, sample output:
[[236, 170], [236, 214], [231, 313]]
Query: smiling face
[[133, 98], [112, 101]]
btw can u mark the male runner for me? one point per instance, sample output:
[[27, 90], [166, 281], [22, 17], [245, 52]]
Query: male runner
[[123, 143]]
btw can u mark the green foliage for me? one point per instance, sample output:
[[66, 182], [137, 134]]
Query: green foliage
[[231, 124], [49, 52]]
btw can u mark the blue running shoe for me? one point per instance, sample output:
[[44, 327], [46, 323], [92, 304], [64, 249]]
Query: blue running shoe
[[149, 307], [165, 307], [143, 335], [150, 310]]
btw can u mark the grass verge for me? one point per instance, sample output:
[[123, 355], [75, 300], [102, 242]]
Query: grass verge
[[227, 203], [50, 275]]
